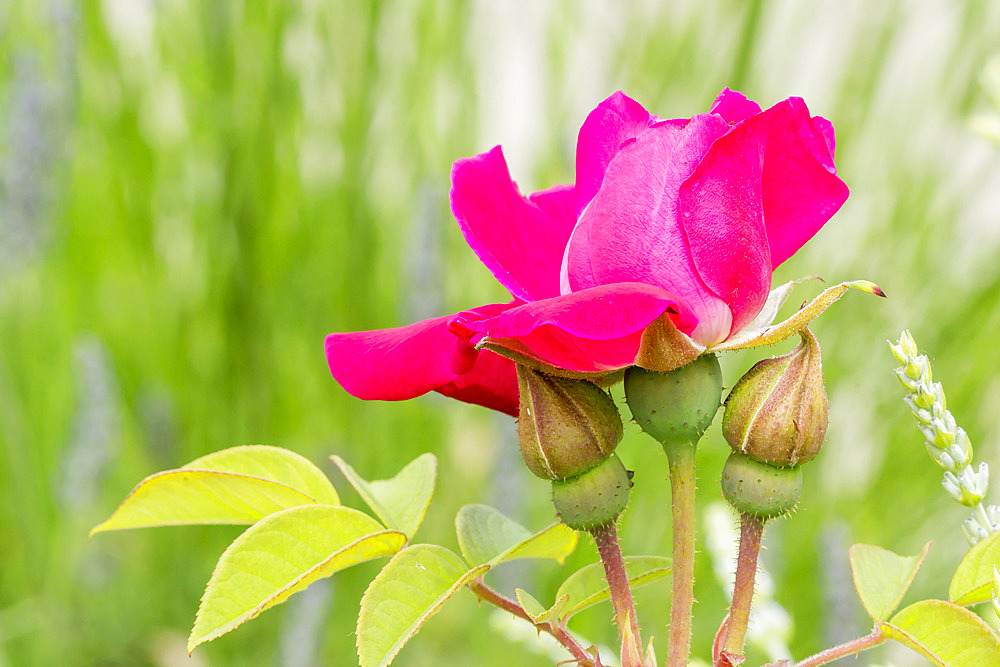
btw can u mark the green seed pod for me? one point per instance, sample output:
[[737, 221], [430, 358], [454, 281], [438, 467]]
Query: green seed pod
[[566, 426], [595, 498], [760, 489], [777, 412], [676, 406]]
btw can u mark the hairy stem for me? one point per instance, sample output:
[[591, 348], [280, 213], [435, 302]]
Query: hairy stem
[[621, 593], [680, 458], [751, 530], [487, 594], [847, 648]]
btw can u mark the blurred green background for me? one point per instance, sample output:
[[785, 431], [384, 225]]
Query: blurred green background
[[193, 194]]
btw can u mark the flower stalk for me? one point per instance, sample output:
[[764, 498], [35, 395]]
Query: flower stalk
[[681, 460], [676, 408], [751, 531], [606, 538]]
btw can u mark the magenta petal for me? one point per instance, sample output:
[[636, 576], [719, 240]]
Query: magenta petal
[[398, 364], [734, 106], [723, 218], [631, 231], [492, 383], [614, 121], [801, 188], [393, 364], [591, 330], [519, 240]]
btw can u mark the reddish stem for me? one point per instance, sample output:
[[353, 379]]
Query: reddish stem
[[621, 593], [493, 597], [847, 648], [751, 530]]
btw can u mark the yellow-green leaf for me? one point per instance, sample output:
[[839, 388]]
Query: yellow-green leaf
[[882, 577], [401, 502], [408, 591], [485, 535], [588, 586], [529, 603], [945, 634], [273, 463], [973, 580], [798, 321], [237, 486], [282, 554], [185, 497]]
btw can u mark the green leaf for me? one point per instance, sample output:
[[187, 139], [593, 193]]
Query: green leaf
[[778, 332], [282, 554], [408, 591], [588, 586], [946, 634], [273, 463], [243, 485], [882, 577], [401, 502], [535, 609], [973, 580], [485, 535], [529, 603]]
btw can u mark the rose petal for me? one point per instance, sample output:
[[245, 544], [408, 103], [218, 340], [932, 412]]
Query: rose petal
[[398, 364], [734, 106], [492, 383], [520, 241], [722, 215], [589, 331], [631, 231], [801, 189], [614, 121]]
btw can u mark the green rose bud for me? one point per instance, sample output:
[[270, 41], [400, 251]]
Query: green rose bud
[[566, 427], [760, 489], [777, 412], [676, 406], [595, 498]]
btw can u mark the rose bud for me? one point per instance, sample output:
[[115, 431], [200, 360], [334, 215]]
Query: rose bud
[[777, 412], [565, 427], [676, 406]]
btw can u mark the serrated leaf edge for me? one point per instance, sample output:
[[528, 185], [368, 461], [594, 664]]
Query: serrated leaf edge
[[921, 556], [99, 528], [506, 556], [911, 642], [281, 451], [979, 593], [352, 476], [262, 606], [423, 617]]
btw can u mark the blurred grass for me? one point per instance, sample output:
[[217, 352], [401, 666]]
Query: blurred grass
[[194, 193]]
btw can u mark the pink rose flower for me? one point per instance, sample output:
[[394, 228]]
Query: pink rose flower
[[664, 247]]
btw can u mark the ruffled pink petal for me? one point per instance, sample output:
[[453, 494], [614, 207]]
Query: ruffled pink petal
[[734, 106], [722, 215], [631, 231], [614, 121], [398, 364], [801, 189], [520, 241], [592, 330]]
